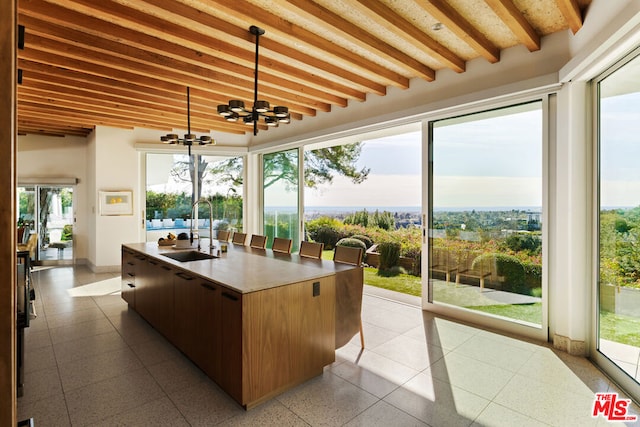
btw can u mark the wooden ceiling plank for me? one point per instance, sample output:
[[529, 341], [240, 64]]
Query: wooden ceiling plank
[[362, 38], [570, 9], [517, 23], [462, 28], [382, 13]]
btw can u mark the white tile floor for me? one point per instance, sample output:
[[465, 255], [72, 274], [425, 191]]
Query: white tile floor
[[91, 361]]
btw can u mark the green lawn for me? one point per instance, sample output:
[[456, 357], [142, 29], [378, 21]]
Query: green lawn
[[613, 327], [620, 328], [526, 312], [405, 283]]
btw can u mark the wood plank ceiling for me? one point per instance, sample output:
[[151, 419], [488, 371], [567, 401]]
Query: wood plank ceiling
[[127, 63]]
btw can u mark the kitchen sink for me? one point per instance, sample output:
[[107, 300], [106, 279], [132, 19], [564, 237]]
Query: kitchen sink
[[186, 256]]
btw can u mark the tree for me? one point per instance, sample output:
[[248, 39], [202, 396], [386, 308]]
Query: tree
[[320, 167], [186, 171], [322, 164]]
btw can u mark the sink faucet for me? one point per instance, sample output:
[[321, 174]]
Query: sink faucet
[[193, 210]]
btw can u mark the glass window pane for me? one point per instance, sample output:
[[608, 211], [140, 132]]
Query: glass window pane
[[175, 181], [619, 218], [280, 186], [485, 246]]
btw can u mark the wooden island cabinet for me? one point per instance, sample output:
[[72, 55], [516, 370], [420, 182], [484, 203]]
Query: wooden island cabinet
[[256, 322]]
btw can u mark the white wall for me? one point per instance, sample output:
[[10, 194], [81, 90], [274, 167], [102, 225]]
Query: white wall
[[44, 158], [116, 168]]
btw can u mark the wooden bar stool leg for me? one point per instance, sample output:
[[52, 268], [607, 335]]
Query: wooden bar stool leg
[[361, 336]]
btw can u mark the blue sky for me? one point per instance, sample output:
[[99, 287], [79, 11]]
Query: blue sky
[[620, 151], [491, 161]]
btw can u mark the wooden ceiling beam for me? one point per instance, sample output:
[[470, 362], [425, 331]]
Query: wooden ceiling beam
[[200, 122], [572, 14], [128, 17], [26, 127], [331, 94], [379, 12], [104, 71], [51, 93], [294, 66], [363, 39], [81, 118], [86, 105], [360, 70], [47, 78], [150, 75], [461, 27], [109, 89], [517, 23]]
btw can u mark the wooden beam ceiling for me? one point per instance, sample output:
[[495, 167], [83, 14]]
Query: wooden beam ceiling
[[127, 63]]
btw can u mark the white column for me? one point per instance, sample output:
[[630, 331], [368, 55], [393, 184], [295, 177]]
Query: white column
[[570, 222]]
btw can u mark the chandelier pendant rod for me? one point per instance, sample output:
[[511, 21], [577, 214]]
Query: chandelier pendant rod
[[188, 120], [254, 114], [188, 112]]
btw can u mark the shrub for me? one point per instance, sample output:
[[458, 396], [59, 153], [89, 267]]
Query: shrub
[[364, 239], [351, 242], [507, 266], [389, 255], [327, 235], [524, 242], [350, 230], [67, 232], [533, 275]]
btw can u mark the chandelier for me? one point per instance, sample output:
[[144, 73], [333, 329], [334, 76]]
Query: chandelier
[[236, 110], [189, 139]]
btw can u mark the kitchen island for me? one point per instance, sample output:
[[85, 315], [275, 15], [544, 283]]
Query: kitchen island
[[256, 322]]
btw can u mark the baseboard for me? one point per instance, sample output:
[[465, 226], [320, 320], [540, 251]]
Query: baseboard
[[573, 347]]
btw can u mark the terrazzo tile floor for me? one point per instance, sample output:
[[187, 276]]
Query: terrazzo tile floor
[[90, 361]]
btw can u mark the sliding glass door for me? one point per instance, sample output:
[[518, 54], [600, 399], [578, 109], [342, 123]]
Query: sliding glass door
[[281, 184], [46, 212], [618, 287], [486, 222]]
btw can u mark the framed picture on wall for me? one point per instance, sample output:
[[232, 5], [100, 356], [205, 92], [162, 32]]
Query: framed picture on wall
[[116, 203]]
